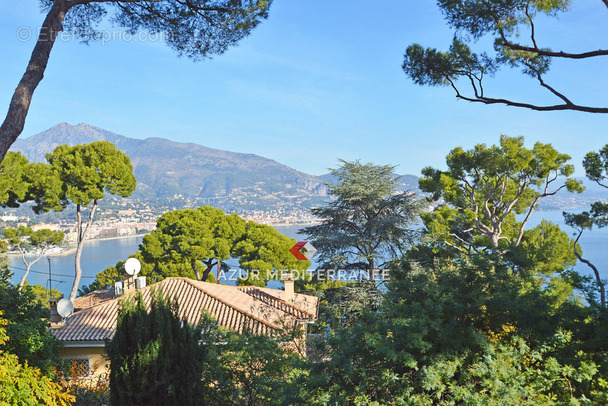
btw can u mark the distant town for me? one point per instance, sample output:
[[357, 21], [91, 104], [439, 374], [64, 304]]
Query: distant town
[[117, 218]]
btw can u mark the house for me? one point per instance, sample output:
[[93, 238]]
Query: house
[[237, 308]]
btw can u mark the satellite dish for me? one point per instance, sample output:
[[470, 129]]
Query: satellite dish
[[65, 308], [132, 266]]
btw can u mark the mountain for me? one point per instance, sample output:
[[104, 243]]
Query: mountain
[[405, 183], [168, 169]]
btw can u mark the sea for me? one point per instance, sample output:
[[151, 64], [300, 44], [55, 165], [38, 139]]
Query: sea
[[97, 255]]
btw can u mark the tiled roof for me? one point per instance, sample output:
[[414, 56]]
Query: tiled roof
[[305, 303], [92, 299], [260, 310]]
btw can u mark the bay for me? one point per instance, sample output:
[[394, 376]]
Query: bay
[[98, 255], [594, 243]]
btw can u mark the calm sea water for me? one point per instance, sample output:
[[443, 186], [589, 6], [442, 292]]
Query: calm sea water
[[594, 243], [98, 255]]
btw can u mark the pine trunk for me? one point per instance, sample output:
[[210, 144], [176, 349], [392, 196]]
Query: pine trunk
[[81, 233], [14, 122], [24, 278]]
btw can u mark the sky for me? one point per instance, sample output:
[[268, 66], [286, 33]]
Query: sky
[[317, 82]]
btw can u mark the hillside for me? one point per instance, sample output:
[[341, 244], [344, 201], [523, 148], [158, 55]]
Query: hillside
[[168, 169], [405, 183]]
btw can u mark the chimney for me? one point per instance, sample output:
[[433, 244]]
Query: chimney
[[54, 316], [128, 284], [289, 288]]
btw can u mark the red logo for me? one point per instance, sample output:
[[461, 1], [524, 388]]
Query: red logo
[[303, 251]]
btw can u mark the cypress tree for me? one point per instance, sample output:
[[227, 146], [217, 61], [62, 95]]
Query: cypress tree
[[156, 358]]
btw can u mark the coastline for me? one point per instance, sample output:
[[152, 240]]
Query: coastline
[[121, 237], [71, 249]]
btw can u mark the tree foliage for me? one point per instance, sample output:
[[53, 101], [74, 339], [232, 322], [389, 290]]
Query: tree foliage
[[368, 223], [23, 384], [24, 239], [87, 172], [14, 179], [158, 359], [546, 249], [465, 333], [42, 294], [506, 327], [27, 319], [340, 304], [82, 175], [248, 369], [190, 243], [484, 189], [596, 167], [196, 29], [262, 250], [508, 22], [155, 358]]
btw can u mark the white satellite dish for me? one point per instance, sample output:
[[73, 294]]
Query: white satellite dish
[[132, 266], [65, 308]]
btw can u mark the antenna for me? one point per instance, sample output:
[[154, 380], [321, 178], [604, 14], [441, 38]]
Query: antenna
[[65, 308], [50, 284], [132, 266]]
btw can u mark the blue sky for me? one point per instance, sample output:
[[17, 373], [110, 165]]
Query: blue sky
[[317, 81]]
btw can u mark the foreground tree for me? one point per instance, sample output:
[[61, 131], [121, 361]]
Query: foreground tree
[[27, 326], [507, 22], [14, 184], [158, 359], [248, 369], [197, 29], [81, 175], [485, 187], [368, 223], [468, 332], [155, 358], [38, 242], [23, 384]]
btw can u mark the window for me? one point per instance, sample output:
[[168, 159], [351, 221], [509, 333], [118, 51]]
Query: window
[[80, 366]]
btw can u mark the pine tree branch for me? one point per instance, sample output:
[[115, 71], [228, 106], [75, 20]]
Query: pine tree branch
[[548, 53], [568, 105], [556, 107], [598, 277]]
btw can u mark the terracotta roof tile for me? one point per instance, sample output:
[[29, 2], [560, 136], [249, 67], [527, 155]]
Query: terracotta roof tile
[[92, 299], [261, 310]]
